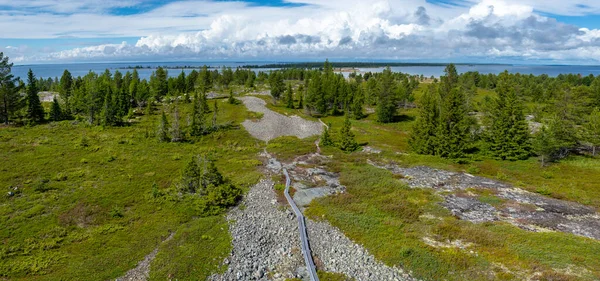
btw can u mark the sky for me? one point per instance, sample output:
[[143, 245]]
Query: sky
[[472, 31]]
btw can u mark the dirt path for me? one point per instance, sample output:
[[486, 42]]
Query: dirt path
[[274, 125]]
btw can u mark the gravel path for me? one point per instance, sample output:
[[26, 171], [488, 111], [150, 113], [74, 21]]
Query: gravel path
[[274, 125], [264, 237], [266, 242]]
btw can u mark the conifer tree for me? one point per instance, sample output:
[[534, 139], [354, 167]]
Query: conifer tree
[[163, 131], [204, 80], [191, 176], [453, 127], [277, 85], [35, 111], [109, 111], [358, 102], [386, 102], [300, 95], [545, 145], [347, 141], [159, 83], [176, 135], [508, 135], [56, 113], [66, 90], [214, 117], [10, 99], [211, 177], [198, 115], [423, 139], [289, 96], [591, 129], [326, 136], [231, 99]]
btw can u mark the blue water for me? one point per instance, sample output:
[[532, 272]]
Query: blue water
[[56, 70]]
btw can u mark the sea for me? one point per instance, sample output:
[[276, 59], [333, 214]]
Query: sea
[[145, 69]]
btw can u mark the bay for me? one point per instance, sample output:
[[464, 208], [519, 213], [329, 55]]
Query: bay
[[81, 69]]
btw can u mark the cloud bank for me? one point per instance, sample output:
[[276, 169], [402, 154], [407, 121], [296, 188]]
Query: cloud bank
[[485, 30]]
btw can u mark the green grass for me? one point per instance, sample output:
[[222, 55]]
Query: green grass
[[185, 257], [387, 217], [85, 209]]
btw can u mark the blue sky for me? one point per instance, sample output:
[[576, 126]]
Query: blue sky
[[515, 31]]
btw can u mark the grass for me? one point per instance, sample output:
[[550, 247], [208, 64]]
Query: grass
[[391, 220], [84, 208]]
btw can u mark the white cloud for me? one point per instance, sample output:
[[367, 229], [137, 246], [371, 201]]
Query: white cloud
[[335, 29]]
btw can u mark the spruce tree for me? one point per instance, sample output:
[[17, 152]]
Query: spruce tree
[[277, 85], [300, 95], [326, 136], [215, 127], [210, 177], [423, 139], [198, 115], [231, 99], [453, 128], [508, 137], [163, 131], [109, 111], [289, 96], [191, 176], [10, 99], [358, 102], [347, 141], [66, 89], [35, 111], [176, 135], [386, 102], [56, 113]]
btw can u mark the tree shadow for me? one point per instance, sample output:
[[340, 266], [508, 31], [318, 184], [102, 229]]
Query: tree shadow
[[403, 118]]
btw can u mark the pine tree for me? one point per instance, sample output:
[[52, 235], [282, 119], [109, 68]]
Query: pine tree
[[423, 139], [35, 111], [347, 141], [163, 131], [508, 134], [326, 136], [56, 113], [289, 96], [453, 127], [386, 103]]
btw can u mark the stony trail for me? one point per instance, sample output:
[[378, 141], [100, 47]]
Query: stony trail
[[274, 125]]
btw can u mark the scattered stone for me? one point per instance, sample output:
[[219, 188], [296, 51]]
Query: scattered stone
[[527, 210], [370, 150]]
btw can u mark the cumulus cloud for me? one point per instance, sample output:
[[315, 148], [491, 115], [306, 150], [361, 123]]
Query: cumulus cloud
[[353, 29]]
